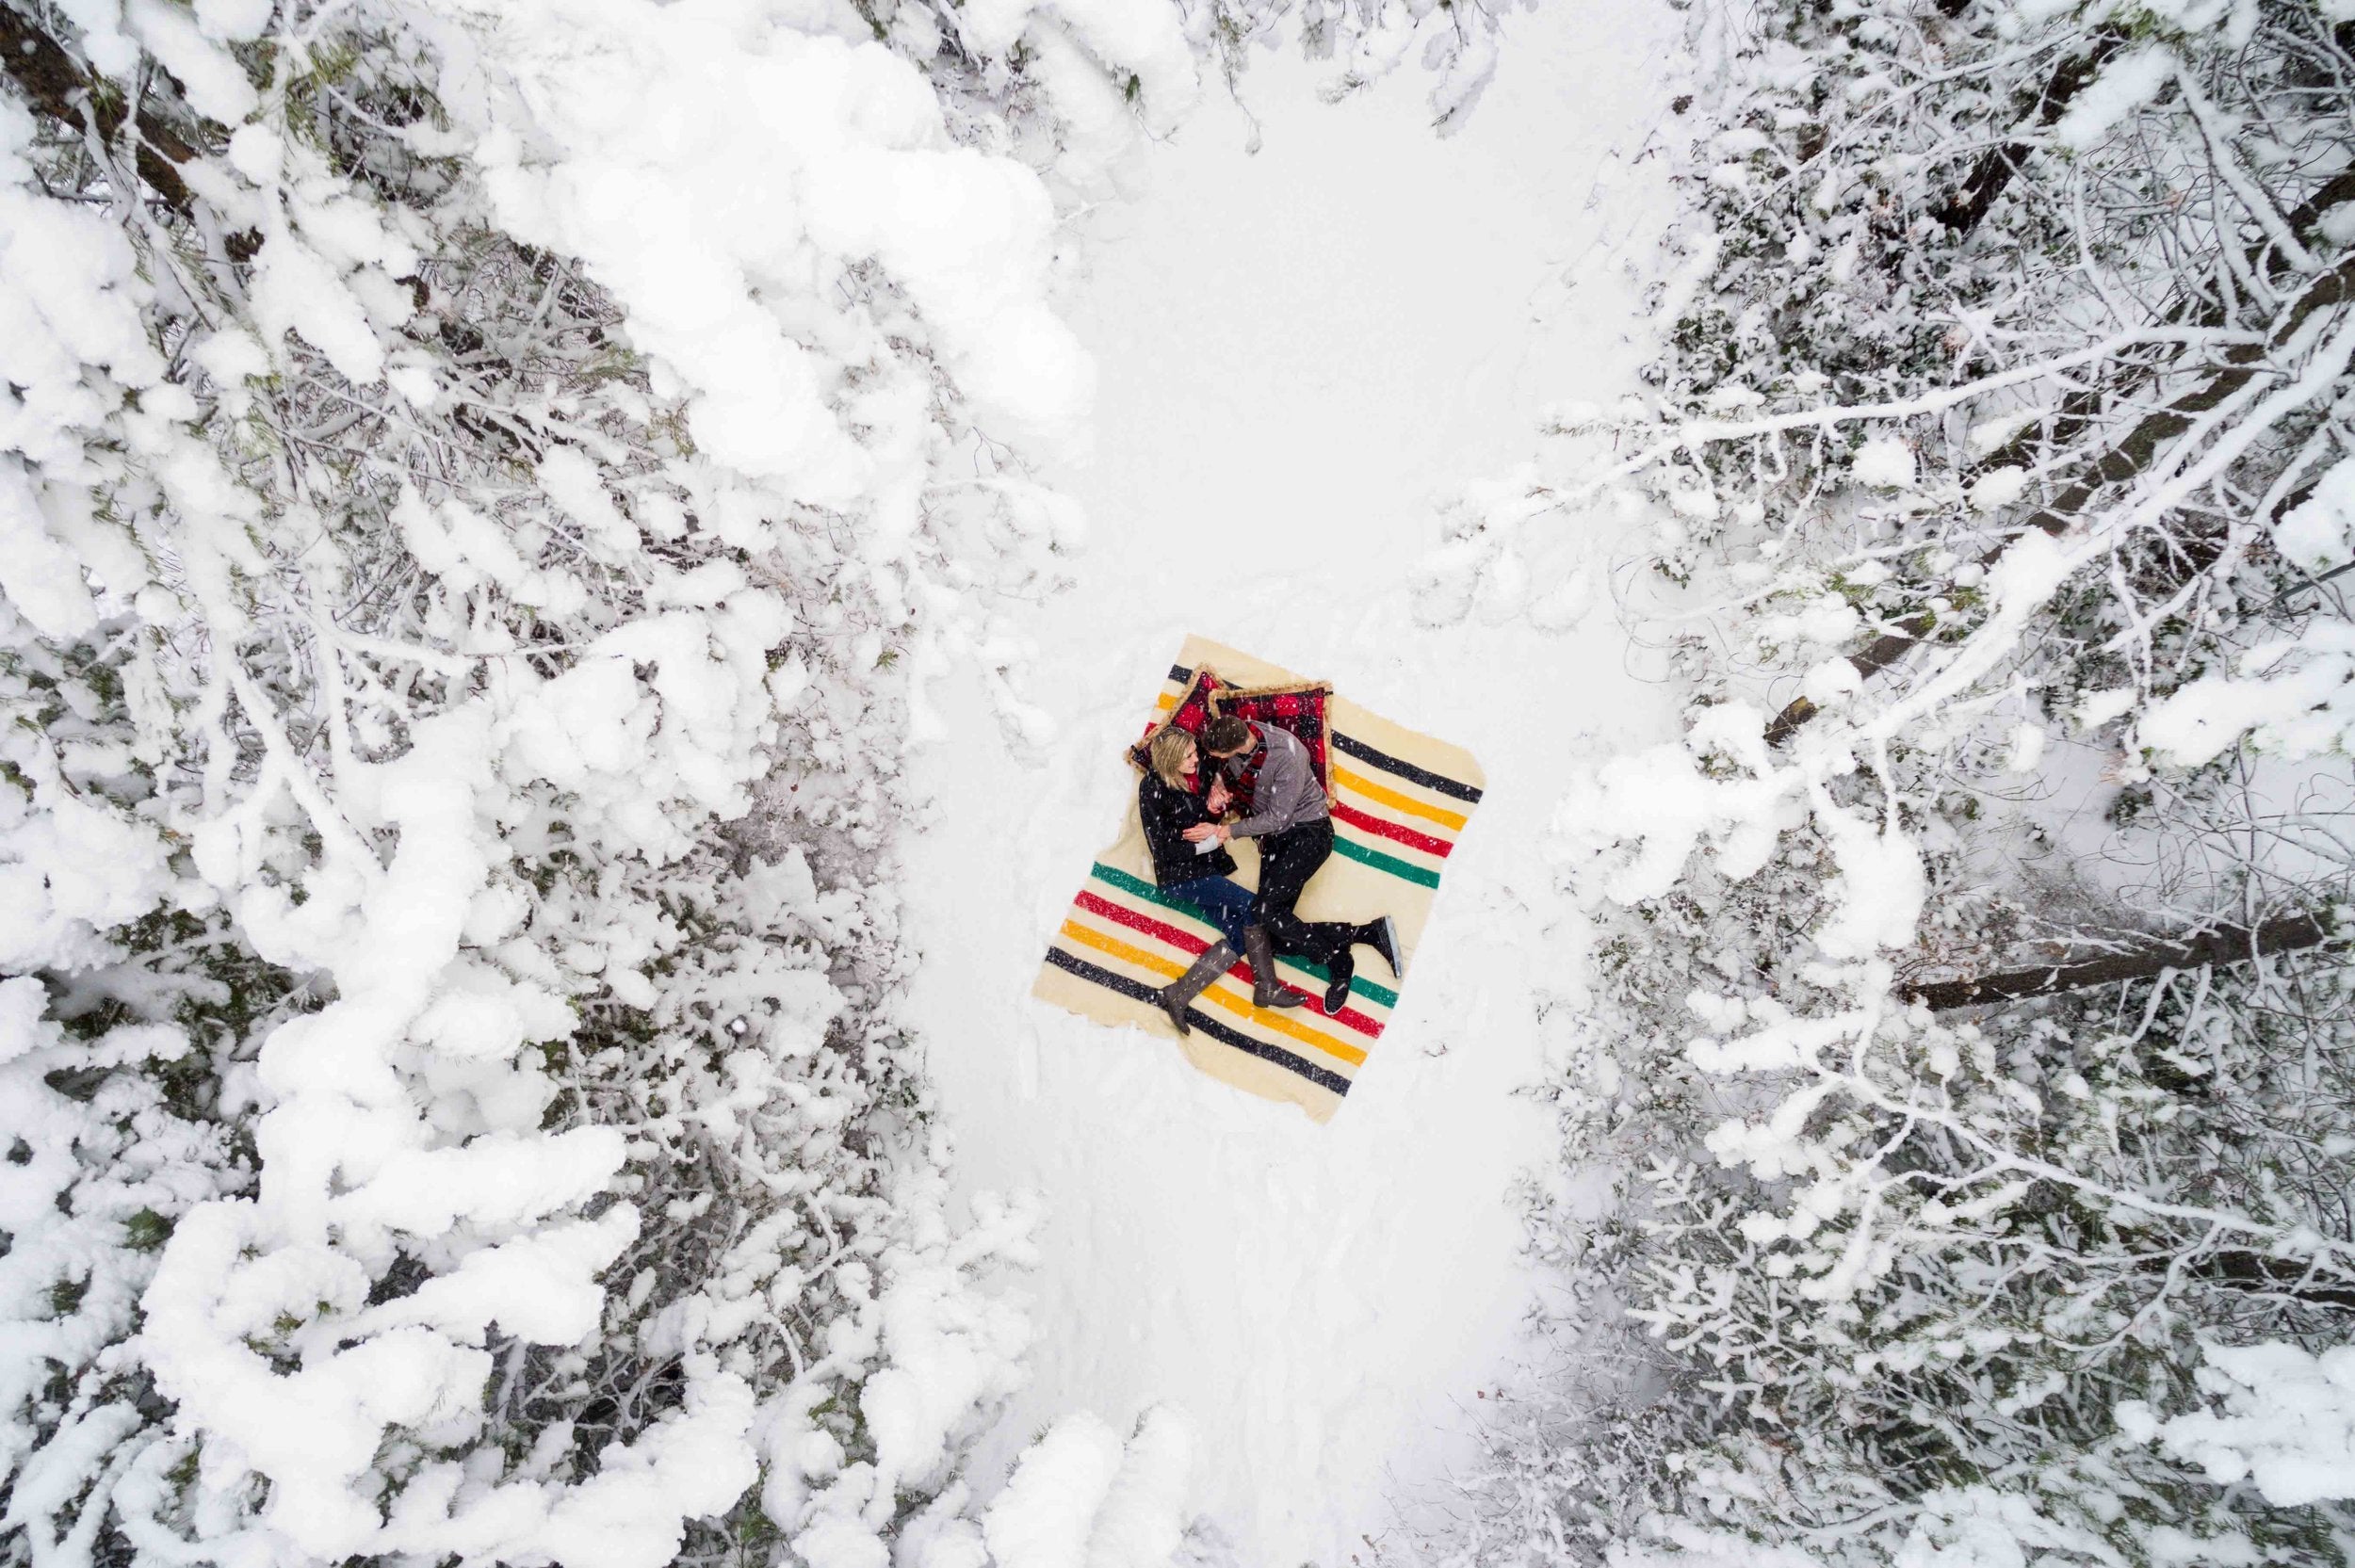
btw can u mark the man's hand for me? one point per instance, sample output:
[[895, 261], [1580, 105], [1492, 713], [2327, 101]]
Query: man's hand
[[1219, 797], [1201, 831]]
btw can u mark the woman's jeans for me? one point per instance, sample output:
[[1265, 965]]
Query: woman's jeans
[[1225, 902]]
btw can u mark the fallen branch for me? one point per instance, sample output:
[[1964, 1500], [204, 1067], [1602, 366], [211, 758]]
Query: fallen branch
[[2078, 410], [2135, 451], [2256, 1274], [2286, 933]]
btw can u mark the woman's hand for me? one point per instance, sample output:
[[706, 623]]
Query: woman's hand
[[1201, 831], [1218, 796]]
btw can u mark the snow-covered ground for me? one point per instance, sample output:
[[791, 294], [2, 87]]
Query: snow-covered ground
[[1302, 354]]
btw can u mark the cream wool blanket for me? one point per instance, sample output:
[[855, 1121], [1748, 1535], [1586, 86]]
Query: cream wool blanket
[[1399, 802]]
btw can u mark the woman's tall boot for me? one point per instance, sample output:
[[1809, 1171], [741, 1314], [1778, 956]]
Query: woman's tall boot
[[1178, 995], [1266, 991]]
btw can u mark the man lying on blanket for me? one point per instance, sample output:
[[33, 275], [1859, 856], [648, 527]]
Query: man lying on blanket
[[1266, 774]]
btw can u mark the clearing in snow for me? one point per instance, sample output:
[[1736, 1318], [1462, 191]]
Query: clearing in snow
[[1304, 355]]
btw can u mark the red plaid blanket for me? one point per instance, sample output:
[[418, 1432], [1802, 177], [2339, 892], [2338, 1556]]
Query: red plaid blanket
[[1300, 709]]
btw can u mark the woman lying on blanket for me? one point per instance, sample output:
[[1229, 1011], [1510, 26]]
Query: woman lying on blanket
[[1169, 803]]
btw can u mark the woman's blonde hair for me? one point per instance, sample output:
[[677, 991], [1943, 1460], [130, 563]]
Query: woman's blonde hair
[[1168, 756]]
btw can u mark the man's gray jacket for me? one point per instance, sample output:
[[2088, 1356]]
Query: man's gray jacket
[[1287, 793]]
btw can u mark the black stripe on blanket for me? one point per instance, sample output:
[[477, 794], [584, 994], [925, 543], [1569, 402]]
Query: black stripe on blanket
[[1211, 1026], [1469, 794]]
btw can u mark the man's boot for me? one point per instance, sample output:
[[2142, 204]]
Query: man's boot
[[1180, 993], [1382, 937], [1265, 989], [1343, 970]]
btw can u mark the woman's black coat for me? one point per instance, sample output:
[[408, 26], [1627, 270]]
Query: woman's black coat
[[1167, 814]]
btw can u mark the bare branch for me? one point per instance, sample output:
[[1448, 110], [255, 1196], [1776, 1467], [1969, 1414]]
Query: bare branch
[[2225, 943]]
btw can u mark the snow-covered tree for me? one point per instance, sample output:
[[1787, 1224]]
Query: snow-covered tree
[[1969, 996], [485, 490], [459, 459]]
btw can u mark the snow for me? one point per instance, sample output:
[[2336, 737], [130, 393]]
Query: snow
[[1645, 813], [2319, 532], [1304, 357], [1886, 462], [2286, 1425], [2295, 696], [215, 88], [69, 297], [2097, 708], [1881, 885], [235, 21], [69, 873], [2027, 748], [2123, 86], [670, 119], [1998, 488], [40, 577], [1141, 1518], [1043, 1517]]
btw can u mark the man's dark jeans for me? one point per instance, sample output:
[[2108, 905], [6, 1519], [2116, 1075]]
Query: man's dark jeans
[[1287, 861]]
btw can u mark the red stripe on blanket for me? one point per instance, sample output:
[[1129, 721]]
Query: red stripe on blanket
[[1372, 824], [1149, 926], [1369, 1026]]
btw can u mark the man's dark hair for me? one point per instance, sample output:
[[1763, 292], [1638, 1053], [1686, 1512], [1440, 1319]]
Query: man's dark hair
[[1226, 734]]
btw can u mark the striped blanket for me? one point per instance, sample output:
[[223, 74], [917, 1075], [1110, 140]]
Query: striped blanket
[[1400, 799]]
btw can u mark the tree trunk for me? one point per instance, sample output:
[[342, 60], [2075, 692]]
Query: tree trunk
[[2274, 1276], [2286, 933], [2128, 457], [1996, 168], [2078, 410], [54, 86]]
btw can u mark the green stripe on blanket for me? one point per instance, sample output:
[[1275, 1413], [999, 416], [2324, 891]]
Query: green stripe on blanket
[[1137, 888], [1381, 861]]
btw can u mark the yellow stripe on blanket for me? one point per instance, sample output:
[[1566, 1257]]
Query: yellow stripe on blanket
[[1152, 964], [1240, 1005], [1400, 799], [1453, 820]]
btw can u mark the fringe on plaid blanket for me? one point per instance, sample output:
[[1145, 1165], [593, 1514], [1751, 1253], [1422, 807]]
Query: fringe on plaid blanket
[[1298, 706], [1400, 801]]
